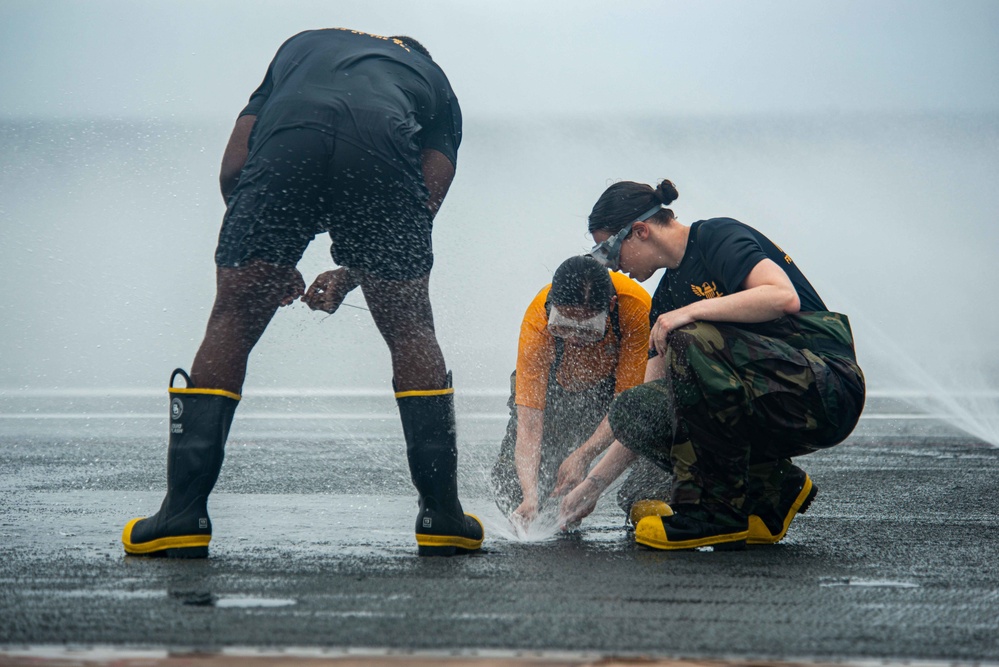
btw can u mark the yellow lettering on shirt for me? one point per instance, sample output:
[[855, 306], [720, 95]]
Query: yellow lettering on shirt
[[787, 257], [398, 42]]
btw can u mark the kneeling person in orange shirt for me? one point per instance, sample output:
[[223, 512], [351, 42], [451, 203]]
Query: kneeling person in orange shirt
[[584, 339]]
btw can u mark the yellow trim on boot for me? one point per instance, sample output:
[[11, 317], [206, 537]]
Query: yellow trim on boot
[[651, 533], [424, 392], [758, 531], [424, 540], [162, 544], [211, 392], [648, 507]]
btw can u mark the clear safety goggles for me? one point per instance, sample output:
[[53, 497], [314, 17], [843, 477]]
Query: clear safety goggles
[[590, 330], [608, 252]]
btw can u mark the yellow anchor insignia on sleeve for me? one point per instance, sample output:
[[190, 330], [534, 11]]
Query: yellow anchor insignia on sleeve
[[706, 290]]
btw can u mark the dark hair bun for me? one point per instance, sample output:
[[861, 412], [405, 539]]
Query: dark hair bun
[[666, 192]]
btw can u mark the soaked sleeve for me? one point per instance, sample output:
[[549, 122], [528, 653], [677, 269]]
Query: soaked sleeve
[[535, 354], [260, 95], [634, 306], [266, 87], [730, 251]]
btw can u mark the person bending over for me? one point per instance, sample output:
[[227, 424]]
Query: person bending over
[[749, 369], [355, 135], [584, 338]]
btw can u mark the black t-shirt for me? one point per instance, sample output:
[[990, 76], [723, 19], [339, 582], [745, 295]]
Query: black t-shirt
[[371, 91], [720, 254]]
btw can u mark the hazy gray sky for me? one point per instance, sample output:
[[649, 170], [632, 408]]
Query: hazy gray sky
[[109, 227], [195, 58]]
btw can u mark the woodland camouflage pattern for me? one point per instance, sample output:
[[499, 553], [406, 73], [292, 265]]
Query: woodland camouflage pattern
[[738, 401]]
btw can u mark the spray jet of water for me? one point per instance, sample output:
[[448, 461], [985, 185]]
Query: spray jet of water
[[974, 412]]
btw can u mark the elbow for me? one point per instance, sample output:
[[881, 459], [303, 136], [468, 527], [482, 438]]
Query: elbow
[[790, 303]]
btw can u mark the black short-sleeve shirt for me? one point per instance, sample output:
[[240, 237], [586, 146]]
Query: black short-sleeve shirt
[[719, 256], [371, 91]]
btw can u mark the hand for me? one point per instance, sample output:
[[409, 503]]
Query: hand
[[525, 513], [579, 504], [571, 473], [294, 288], [329, 289], [666, 323]]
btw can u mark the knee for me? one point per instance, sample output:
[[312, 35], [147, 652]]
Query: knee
[[695, 354], [703, 336], [405, 337], [401, 309], [641, 418]]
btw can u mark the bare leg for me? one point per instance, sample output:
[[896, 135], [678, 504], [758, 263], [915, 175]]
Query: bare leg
[[245, 301], [401, 311]]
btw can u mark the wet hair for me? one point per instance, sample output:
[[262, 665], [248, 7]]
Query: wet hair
[[626, 201], [413, 44], [582, 282]]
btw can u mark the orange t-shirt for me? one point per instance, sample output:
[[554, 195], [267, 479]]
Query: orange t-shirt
[[584, 366]]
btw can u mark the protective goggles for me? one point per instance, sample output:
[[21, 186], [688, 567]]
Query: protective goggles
[[590, 330], [608, 252]]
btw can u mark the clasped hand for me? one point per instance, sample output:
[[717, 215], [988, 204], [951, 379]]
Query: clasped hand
[[666, 323], [329, 289], [570, 476]]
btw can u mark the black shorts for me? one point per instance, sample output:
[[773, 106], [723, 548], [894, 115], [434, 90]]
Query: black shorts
[[303, 182]]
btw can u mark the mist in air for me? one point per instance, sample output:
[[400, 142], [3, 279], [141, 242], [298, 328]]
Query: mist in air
[[862, 138]]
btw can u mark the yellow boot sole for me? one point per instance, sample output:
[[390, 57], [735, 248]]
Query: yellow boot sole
[[448, 545], [178, 546], [758, 531], [651, 533]]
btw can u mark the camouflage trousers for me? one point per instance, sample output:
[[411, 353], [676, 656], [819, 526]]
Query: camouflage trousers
[[738, 401]]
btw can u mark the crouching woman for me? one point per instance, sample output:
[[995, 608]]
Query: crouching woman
[[749, 369]]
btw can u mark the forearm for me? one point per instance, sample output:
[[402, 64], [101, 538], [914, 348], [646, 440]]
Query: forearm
[[349, 281], [758, 304], [527, 452], [655, 368], [438, 172], [615, 461], [235, 154], [601, 439]]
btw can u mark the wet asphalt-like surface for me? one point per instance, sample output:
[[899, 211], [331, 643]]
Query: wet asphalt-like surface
[[897, 559]]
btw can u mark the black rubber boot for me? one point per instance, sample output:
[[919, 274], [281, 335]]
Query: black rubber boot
[[689, 528], [199, 426], [771, 517], [442, 527]]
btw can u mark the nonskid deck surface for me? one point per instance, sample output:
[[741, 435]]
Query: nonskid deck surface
[[313, 558], [108, 657]]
